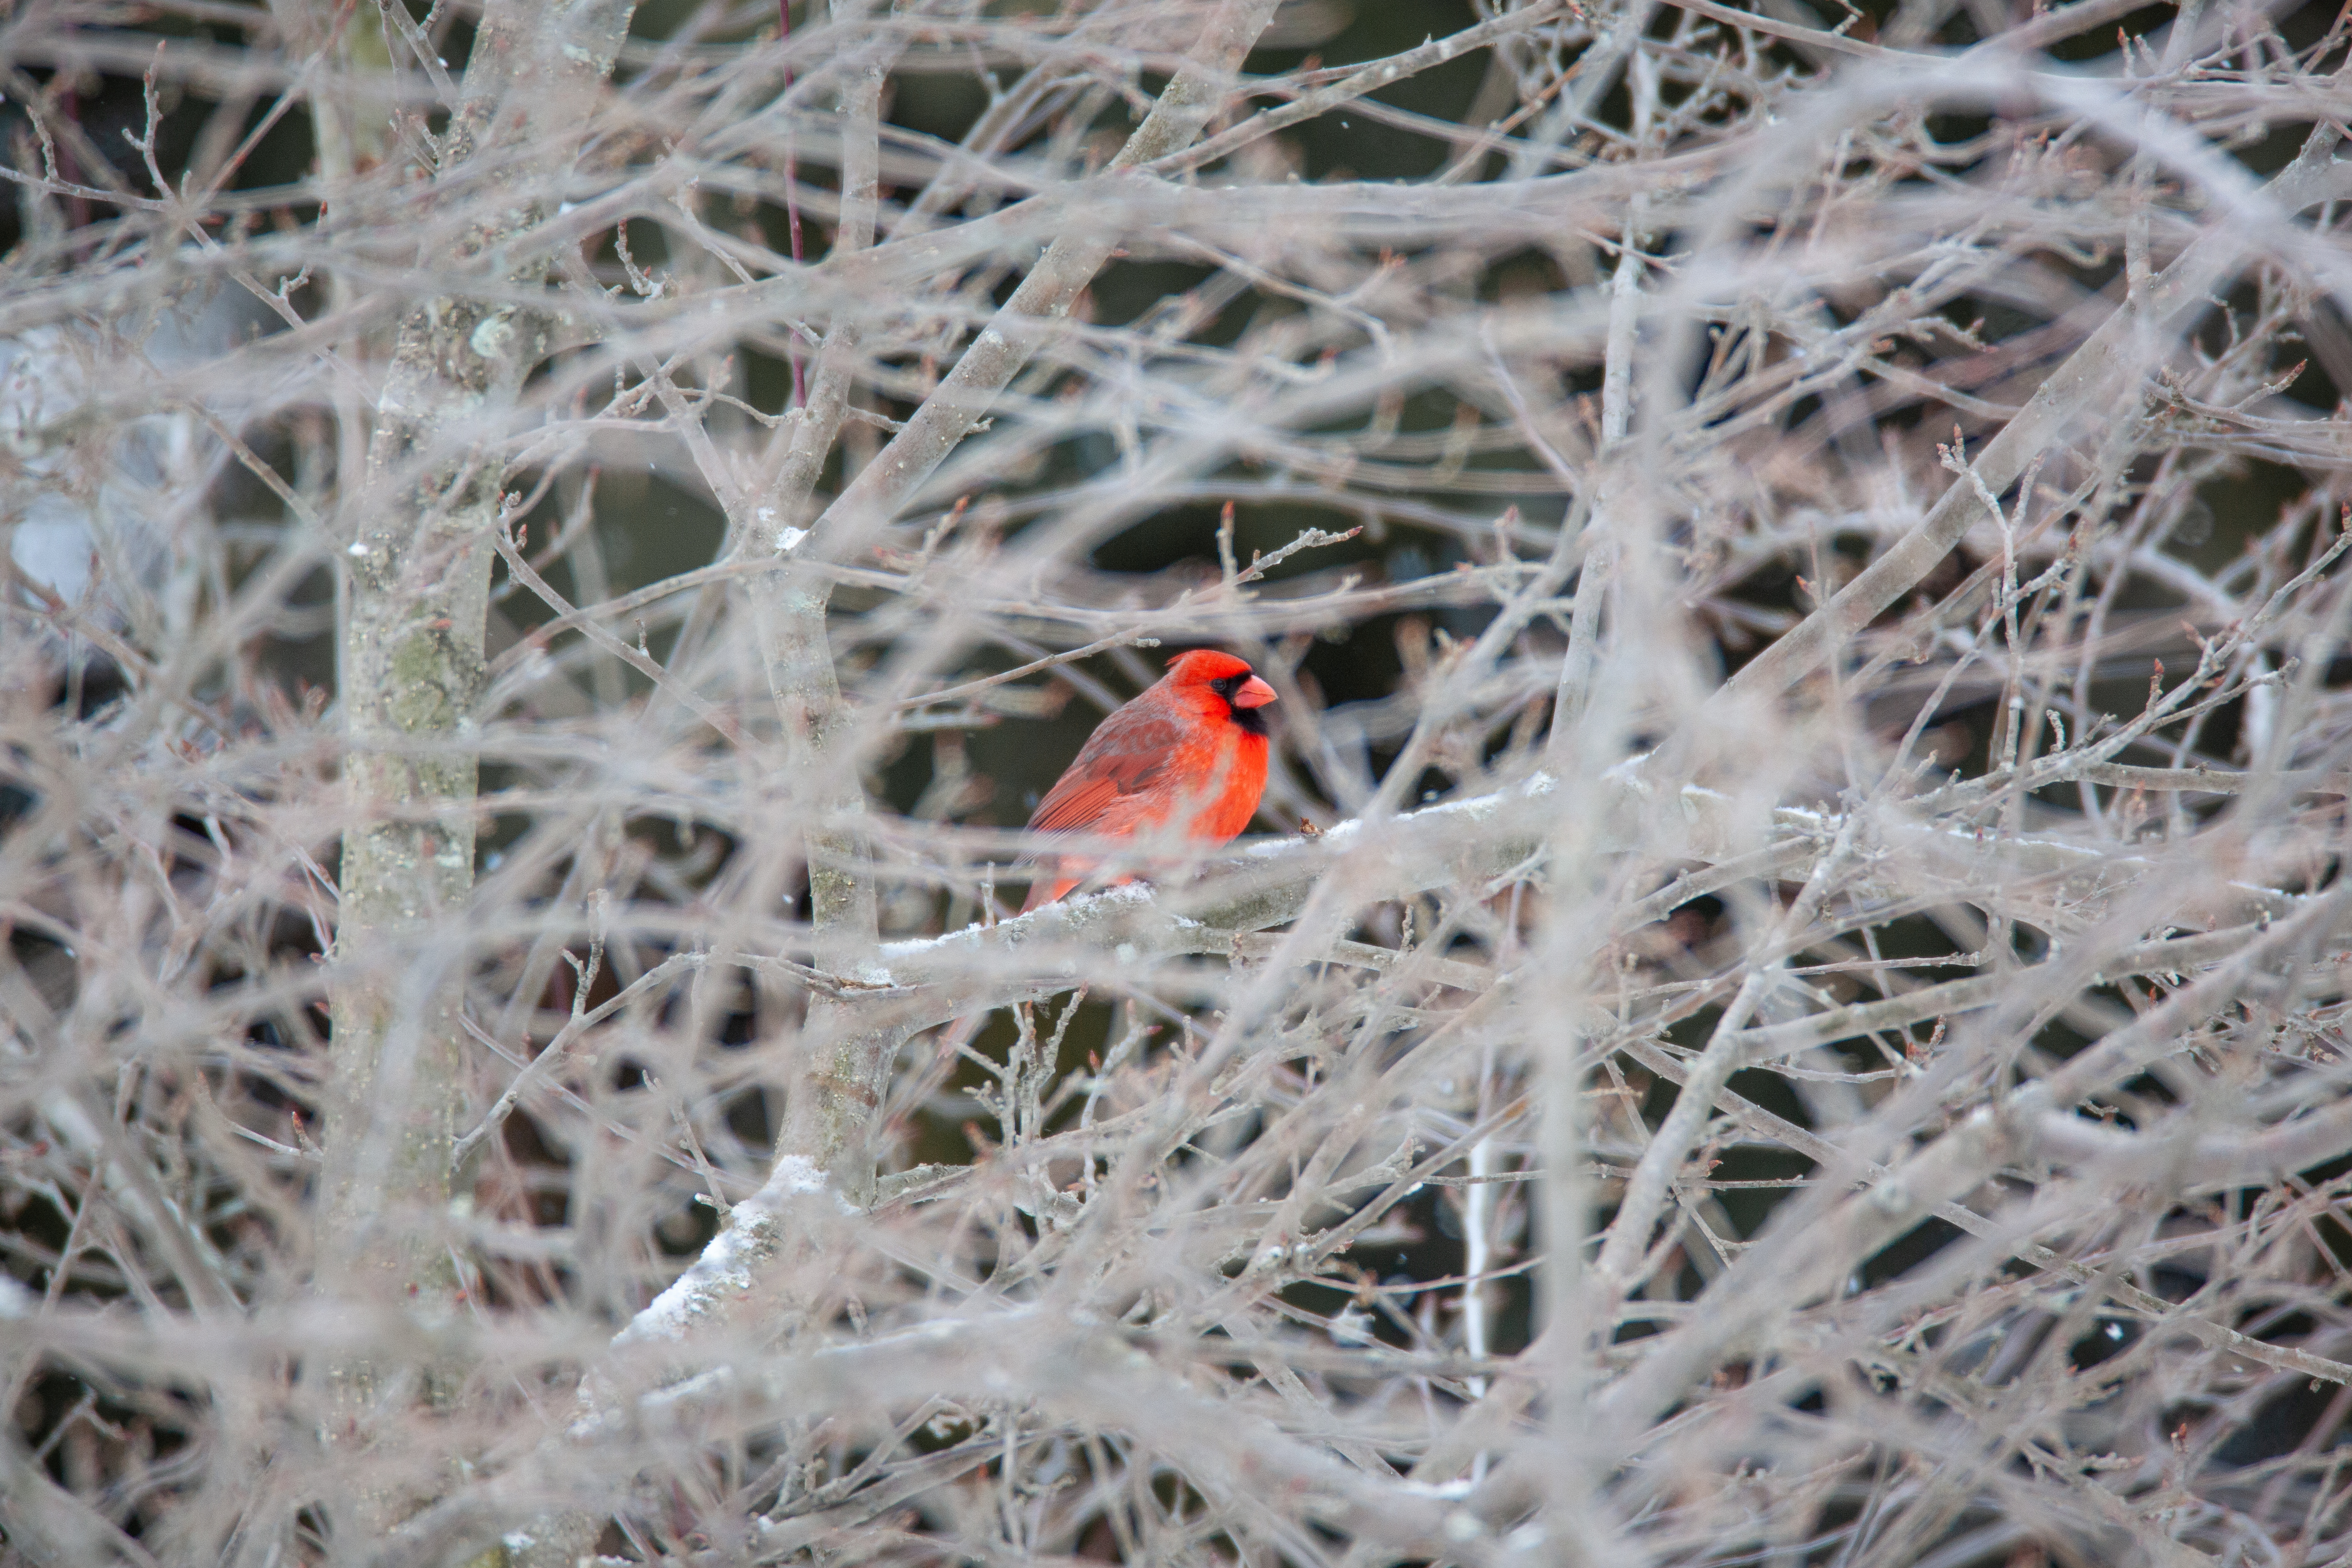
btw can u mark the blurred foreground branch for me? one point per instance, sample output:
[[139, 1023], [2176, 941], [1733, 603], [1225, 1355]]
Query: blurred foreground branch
[[1803, 554]]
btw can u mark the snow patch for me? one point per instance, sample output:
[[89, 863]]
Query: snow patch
[[794, 1174], [786, 536], [1458, 1488], [725, 1266]]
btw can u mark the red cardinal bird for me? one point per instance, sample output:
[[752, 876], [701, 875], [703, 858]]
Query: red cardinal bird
[[1190, 750]]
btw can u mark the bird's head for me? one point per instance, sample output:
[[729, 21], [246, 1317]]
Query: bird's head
[[1207, 671]]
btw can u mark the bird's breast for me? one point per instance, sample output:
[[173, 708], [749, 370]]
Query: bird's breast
[[1231, 786]]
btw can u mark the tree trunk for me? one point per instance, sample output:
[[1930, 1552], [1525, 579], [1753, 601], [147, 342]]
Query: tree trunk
[[416, 592]]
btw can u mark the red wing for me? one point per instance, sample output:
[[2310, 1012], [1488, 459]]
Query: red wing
[[1075, 803], [1126, 756]]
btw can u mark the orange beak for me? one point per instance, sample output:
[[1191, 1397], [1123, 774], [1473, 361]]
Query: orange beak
[[1254, 693]]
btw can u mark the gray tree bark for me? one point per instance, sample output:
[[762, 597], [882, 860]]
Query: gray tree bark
[[415, 593]]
